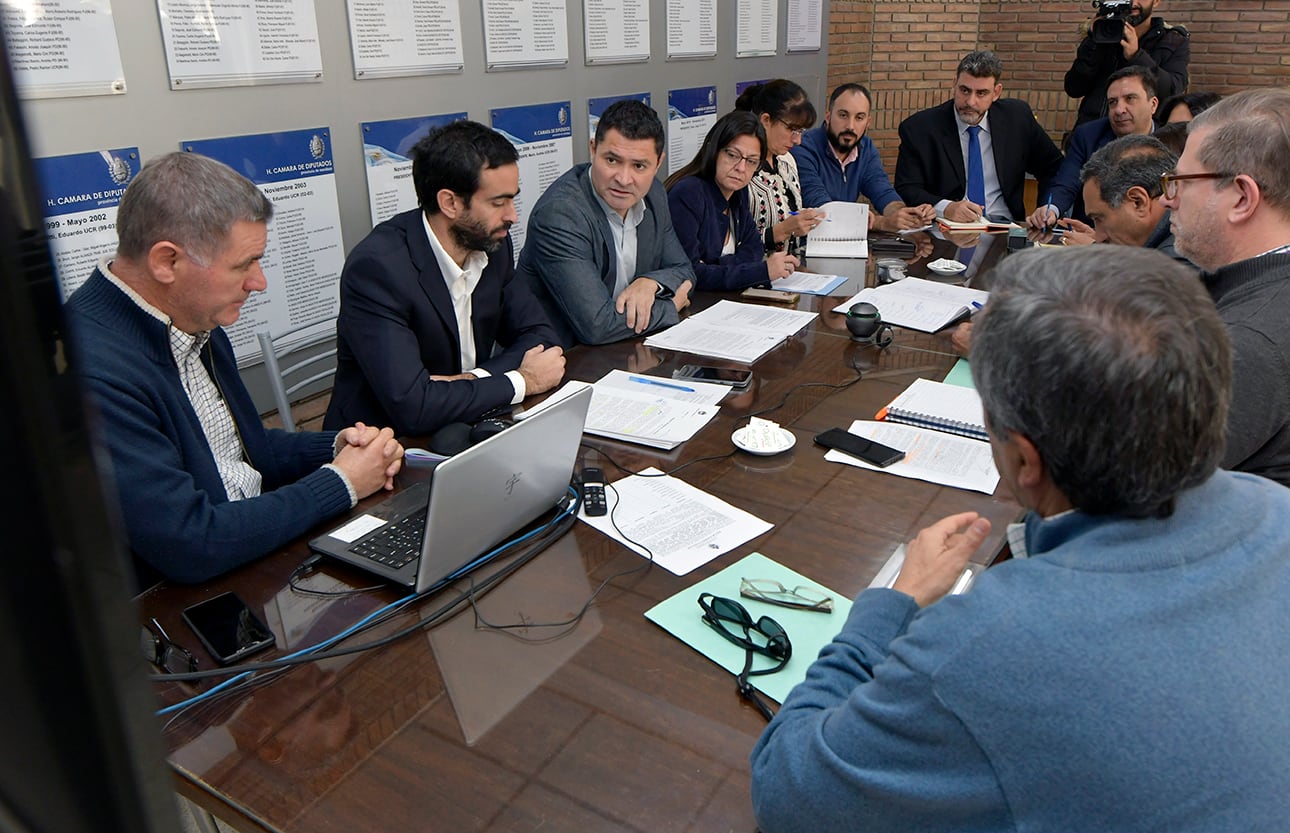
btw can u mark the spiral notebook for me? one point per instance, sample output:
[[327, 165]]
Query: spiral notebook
[[949, 408], [844, 232]]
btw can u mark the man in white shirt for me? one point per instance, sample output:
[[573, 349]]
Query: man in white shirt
[[600, 253], [204, 488], [433, 326]]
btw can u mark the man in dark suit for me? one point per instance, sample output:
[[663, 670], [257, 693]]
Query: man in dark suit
[[1131, 103], [938, 145], [433, 326], [600, 252]]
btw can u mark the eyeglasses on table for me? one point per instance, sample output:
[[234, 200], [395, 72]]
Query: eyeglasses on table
[[159, 650], [773, 592]]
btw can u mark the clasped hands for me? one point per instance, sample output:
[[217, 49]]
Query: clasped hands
[[369, 457]]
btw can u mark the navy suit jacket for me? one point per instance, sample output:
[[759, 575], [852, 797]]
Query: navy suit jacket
[[397, 328], [929, 167], [1067, 190], [701, 218]]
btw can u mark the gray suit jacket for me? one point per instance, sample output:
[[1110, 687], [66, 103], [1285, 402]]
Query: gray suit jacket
[[569, 262]]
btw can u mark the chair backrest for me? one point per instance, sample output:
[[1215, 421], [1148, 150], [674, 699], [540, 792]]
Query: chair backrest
[[314, 365]]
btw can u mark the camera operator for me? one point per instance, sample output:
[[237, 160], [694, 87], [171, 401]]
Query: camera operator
[[1146, 41]]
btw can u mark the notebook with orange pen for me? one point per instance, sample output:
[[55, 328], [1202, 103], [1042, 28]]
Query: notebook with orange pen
[[949, 408]]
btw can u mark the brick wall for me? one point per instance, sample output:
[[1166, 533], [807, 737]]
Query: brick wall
[[906, 52]]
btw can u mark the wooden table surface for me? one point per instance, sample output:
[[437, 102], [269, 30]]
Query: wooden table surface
[[612, 725]]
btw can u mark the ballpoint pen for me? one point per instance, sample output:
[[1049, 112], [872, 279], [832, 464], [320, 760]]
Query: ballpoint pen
[[644, 380], [1048, 203]]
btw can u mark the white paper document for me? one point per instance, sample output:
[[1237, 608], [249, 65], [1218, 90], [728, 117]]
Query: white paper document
[[805, 18], [734, 331], [808, 283], [933, 456], [684, 527], [660, 413], [919, 304], [691, 28]]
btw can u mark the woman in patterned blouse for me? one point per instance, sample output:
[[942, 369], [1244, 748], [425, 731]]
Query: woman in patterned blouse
[[775, 194]]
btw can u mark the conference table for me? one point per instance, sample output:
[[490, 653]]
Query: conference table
[[610, 724]]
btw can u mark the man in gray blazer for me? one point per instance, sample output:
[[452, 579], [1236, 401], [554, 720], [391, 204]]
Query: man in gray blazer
[[600, 253]]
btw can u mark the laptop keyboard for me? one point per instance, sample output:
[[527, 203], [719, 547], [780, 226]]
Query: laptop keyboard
[[395, 544]]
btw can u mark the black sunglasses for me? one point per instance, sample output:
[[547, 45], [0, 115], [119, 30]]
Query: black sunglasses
[[733, 621], [166, 655]]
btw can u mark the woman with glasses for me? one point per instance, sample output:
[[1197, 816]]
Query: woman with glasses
[[710, 214], [785, 113]]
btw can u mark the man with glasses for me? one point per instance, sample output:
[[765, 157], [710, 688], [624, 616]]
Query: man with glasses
[[1230, 198], [969, 156], [203, 486], [1122, 193], [1125, 670]]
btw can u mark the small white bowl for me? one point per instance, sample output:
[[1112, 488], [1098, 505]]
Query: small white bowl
[[944, 266], [789, 439]]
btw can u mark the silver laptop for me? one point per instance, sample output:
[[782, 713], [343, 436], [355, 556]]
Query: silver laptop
[[473, 500]]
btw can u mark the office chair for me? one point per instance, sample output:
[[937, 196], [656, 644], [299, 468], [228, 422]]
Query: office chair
[[289, 343]]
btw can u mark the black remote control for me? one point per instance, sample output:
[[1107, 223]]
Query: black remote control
[[593, 492]]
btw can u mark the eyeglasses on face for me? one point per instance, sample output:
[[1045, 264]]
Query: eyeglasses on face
[[732, 620], [161, 652], [1169, 181], [796, 131], [772, 592], [736, 158]]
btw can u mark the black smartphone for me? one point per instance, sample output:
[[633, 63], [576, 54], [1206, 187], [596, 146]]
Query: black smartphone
[[593, 492], [875, 454], [734, 377], [228, 628]]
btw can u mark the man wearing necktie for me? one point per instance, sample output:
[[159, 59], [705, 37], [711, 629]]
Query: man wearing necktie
[[970, 155]]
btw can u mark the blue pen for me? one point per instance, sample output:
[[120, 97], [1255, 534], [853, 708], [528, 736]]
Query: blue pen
[[642, 380], [1048, 203]]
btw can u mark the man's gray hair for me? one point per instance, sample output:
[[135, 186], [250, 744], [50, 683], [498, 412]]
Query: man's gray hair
[[190, 200], [1113, 362], [981, 64], [1251, 135], [1128, 161]]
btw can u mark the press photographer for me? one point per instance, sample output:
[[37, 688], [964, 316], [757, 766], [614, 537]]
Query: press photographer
[[1145, 40]]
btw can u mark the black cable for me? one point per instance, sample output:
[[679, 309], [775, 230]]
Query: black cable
[[484, 624]]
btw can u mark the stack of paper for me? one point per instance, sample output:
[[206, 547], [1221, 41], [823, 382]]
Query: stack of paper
[[919, 304], [929, 455], [844, 232], [650, 410], [733, 331]]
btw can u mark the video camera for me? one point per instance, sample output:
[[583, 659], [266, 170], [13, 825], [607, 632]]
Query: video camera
[[1108, 24]]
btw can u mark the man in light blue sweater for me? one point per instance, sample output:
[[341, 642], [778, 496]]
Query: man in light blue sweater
[[1126, 669]]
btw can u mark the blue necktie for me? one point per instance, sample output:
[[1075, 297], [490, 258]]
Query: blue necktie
[[975, 171]]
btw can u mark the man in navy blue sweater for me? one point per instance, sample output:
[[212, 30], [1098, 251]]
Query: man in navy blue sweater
[[837, 161], [203, 486]]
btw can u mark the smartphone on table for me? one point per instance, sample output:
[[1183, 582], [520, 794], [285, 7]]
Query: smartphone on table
[[873, 453], [228, 627], [734, 377]]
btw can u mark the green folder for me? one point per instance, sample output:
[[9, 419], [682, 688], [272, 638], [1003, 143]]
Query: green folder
[[960, 374], [808, 631]]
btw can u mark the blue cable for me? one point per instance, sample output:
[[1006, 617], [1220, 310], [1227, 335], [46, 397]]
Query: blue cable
[[390, 608]]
